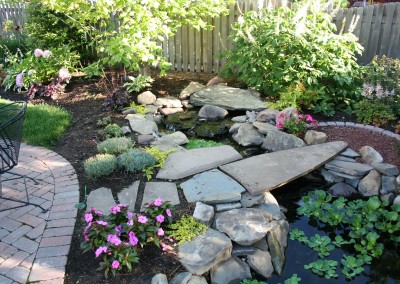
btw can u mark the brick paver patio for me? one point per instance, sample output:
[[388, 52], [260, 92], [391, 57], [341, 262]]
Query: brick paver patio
[[34, 245]]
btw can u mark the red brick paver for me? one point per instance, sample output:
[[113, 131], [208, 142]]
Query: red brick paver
[[34, 245]]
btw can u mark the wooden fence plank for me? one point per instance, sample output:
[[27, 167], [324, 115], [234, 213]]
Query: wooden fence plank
[[178, 49], [357, 21], [389, 10], [191, 50], [372, 46], [224, 38], [394, 40], [339, 20], [365, 30], [216, 44], [171, 51], [209, 48], [198, 45], [185, 48]]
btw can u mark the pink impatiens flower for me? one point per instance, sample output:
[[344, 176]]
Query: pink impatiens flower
[[19, 80], [119, 230], [115, 264], [113, 239], [100, 250], [38, 52], [115, 209], [169, 214], [158, 202], [160, 218], [130, 223], [88, 217], [142, 219], [129, 215], [103, 223], [133, 240], [160, 232]]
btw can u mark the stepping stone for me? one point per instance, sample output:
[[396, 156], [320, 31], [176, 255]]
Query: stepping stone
[[101, 199], [212, 187], [140, 124], [268, 171], [349, 168], [129, 195], [204, 251], [167, 191], [346, 176], [186, 163]]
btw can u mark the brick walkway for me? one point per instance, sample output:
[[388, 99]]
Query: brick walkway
[[34, 245]]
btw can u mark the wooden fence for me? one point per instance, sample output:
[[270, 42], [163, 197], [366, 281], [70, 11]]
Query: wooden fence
[[377, 27], [15, 13]]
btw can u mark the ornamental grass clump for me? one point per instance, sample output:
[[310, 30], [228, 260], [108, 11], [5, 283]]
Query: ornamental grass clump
[[118, 236], [100, 165], [115, 146], [136, 160]]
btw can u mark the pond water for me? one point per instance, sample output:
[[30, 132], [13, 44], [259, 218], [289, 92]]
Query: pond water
[[385, 269]]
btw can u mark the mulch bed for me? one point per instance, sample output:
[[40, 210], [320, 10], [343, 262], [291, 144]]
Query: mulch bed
[[82, 99]]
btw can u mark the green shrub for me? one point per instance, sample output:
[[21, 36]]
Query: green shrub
[[100, 165], [373, 112], [201, 143], [274, 48], [112, 130], [186, 229], [140, 109], [138, 83], [136, 160], [115, 145]]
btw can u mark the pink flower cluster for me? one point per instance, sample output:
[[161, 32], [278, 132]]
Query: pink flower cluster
[[45, 54], [19, 80]]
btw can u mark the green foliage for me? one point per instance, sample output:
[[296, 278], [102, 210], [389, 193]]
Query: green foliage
[[201, 143], [160, 157], [112, 130], [100, 165], [142, 26], [138, 83], [115, 145], [140, 109], [321, 244], [251, 281], [374, 112], [49, 29], [136, 160], [186, 228], [13, 40], [295, 123], [293, 280], [274, 48], [298, 235], [325, 268], [352, 266], [104, 121]]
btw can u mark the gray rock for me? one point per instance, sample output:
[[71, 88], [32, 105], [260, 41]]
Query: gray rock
[[370, 155], [279, 140], [141, 125], [388, 197], [159, 278], [270, 206], [191, 88], [197, 280], [151, 109], [244, 226], [146, 98], [260, 261], [330, 176], [240, 119], [125, 130], [128, 195], [101, 199], [227, 206], [353, 182], [145, 139], [230, 271], [346, 176], [203, 213], [167, 191], [186, 104], [262, 244], [264, 128], [239, 250], [235, 128], [249, 200], [350, 153], [349, 168], [170, 110], [204, 251], [397, 200], [267, 115], [345, 159], [277, 252], [342, 189], [216, 81], [168, 103], [371, 184], [177, 138], [211, 186], [129, 111], [280, 230], [251, 115], [389, 185], [247, 135], [228, 98], [210, 112], [386, 169], [265, 172], [183, 164], [398, 181], [181, 278], [168, 147], [313, 137]]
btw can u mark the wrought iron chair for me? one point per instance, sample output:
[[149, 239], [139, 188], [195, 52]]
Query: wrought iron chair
[[11, 126]]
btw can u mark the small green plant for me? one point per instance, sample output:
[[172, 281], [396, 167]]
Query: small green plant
[[298, 235], [160, 157], [293, 280], [186, 228], [339, 241], [252, 281], [201, 143], [140, 109], [112, 130], [136, 160], [100, 165], [374, 112], [82, 205], [115, 145], [352, 266], [325, 268], [321, 244], [138, 83], [104, 121]]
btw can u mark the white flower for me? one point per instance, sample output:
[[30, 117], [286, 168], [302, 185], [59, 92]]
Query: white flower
[[38, 52], [47, 53], [31, 72]]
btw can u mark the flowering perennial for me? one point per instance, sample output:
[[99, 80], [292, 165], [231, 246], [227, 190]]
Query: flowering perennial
[[295, 123]]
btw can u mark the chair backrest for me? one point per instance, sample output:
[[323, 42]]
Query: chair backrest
[[11, 126]]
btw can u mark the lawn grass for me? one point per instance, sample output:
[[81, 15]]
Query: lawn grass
[[44, 124]]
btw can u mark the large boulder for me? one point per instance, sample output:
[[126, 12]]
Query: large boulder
[[370, 184], [146, 98], [260, 261], [313, 137], [191, 88], [267, 115], [248, 135], [228, 98], [232, 271], [342, 189], [370, 155], [168, 103], [204, 251], [277, 141], [140, 124], [210, 112], [177, 138]]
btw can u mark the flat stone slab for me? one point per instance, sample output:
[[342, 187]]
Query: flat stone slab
[[268, 171], [228, 98], [212, 187], [128, 195], [349, 168], [186, 163], [101, 199], [167, 191]]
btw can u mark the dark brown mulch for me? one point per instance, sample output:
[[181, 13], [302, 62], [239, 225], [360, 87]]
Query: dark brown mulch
[[83, 99]]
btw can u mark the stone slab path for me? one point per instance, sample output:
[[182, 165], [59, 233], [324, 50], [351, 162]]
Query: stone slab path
[[33, 245], [268, 171]]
